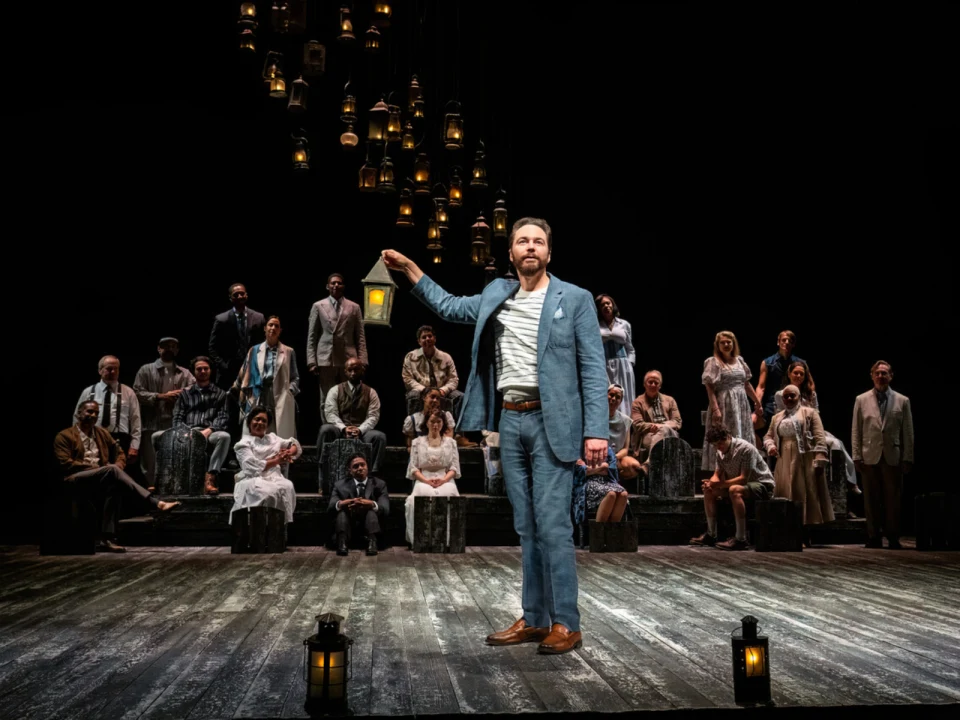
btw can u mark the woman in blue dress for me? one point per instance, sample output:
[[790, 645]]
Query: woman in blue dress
[[617, 336]]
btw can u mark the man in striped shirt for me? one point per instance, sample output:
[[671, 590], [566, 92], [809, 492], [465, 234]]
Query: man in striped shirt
[[539, 378], [203, 407]]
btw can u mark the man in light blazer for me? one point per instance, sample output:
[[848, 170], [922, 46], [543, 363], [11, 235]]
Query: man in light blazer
[[655, 416], [538, 377], [335, 335], [234, 331], [883, 452]]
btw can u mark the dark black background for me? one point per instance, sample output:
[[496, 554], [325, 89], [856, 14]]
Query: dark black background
[[711, 168]]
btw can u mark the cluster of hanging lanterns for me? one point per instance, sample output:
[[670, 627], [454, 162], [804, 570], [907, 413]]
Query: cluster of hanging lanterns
[[385, 125]]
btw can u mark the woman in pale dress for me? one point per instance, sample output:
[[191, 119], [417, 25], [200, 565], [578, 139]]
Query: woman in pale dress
[[416, 426], [262, 457], [434, 465], [726, 377], [798, 374], [617, 337], [795, 437]]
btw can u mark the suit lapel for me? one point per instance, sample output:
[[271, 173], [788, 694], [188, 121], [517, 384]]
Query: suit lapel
[[496, 298], [344, 309], [327, 310], [550, 304]]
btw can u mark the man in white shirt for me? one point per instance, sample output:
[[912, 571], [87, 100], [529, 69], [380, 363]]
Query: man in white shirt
[[119, 406], [538, 377], [352, 411]]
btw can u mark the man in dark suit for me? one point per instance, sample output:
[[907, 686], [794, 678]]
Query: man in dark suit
[[234, 331], [92, 463], [359, 501]]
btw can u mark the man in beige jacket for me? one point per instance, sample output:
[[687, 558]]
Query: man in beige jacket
[[883, 452]]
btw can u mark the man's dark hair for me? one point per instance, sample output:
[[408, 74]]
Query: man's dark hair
[[717, 434], [353, 457]]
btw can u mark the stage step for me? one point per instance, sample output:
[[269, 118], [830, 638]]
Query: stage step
[[203, 521]]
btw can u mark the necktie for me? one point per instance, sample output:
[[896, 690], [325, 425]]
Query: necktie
[[361, 488], [242, 327], [336, 307], [105, 420], [882, 402]]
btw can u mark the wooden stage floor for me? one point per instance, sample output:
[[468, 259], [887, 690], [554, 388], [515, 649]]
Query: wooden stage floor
[[199, 633]]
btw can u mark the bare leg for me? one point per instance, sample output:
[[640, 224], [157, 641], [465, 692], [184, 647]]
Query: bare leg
[[739, 510], [620, 507], [606, 507]]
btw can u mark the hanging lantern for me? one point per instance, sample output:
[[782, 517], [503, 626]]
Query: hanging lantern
[[280, 16], [301, 152], [418, 110], [346, 35], [414, 94], [377, 128], [433, 230], [434, 241], [453, 126], [479, 242], [751, 664], [421, 175], [248, 41], [368, 174], [381, 14], [348, 108], [326, 667], [314, 59], [298, 96], [405, 217], [378, 290], [248, 16], [478, 178], [371, 42], [393, 123], [272, 65], [440, 206], [349, 138], [297, 16], [456, 188], [500, 215], [278, 86], [408, 142], [490, 271], [385, 182]]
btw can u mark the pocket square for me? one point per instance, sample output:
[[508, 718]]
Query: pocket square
[[558, 314]]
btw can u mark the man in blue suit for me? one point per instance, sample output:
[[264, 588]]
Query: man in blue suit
[[538, 377]]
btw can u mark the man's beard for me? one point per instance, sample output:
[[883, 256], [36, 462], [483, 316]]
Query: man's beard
[[528, 270]]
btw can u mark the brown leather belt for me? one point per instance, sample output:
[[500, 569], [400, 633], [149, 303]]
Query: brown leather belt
[[525, 406]]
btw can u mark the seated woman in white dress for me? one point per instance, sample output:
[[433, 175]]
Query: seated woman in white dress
[[434, 465], [415, 425], [262, 456]]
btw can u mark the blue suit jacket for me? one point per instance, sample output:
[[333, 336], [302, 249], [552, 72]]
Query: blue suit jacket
[[570, 364]]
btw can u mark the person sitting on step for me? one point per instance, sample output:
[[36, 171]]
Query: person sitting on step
[[204, 407], [434, 465], [655, 416], [627, 465], [359, 503], [263, 456], [605, 496], [741, 475], [415, 425], [92, 463]]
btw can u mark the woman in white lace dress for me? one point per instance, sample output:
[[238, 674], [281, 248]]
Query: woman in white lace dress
[[617, 336], [434, 465], [262, 456], [726, 377]]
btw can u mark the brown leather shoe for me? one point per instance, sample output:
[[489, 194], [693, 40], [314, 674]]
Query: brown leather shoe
[[560, 640], [463, 442], [518, 633], [210, 484]]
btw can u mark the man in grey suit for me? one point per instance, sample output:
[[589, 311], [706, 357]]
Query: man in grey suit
[[883, 453], [335, 335], [538, 377]]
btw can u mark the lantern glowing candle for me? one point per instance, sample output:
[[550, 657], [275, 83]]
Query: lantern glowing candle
[[453, 126], [326, 666], [456, 188], [405, 218], [421, 175], [381, 14], [346, 35], [480, 242], [414, 94], [372, 40], [479, 175], [349, 138], [348, 108], [298, 96], [248, 41], [378, 292], [500, 215], [751, 664]]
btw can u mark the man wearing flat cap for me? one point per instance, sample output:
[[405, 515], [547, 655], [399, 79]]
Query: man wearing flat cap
[[158, 385]]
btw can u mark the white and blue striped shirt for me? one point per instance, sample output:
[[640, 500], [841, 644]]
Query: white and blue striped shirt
[[517, 330]]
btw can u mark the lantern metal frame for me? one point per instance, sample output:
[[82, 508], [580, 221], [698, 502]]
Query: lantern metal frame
[[456, 188], [377, 122], [421, 175], [348, 106], [453, 126], [500, 215], [368, 174], [414, 94], [299, 92], [248, 21], [382, 11], [301, 144], [280, 16], [408, 141], [371, 40], [751, 664], [440, 203], [378, 280], [393, 133], [405, 219], [479, 242], [345, 138], [248, 40], [314, 58], [478, 176], [385, 177], [272, 65], [325, 642], [346, 36]]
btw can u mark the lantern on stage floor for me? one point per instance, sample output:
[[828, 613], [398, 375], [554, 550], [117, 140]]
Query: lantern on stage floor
[[378, 291], [326, 667], [751, 664]]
